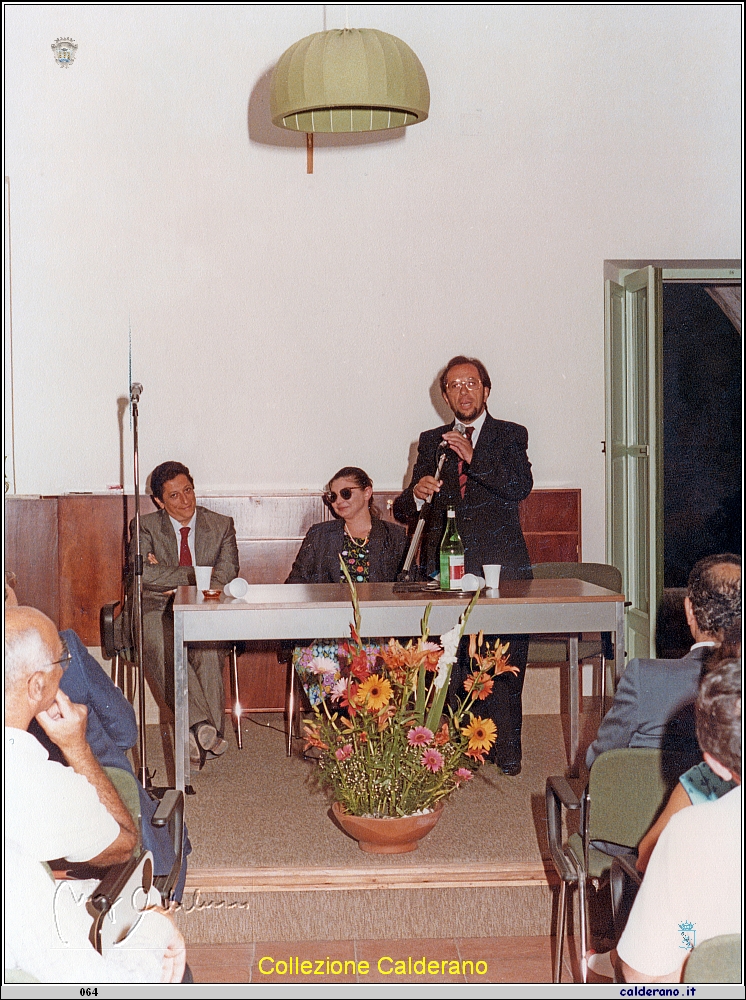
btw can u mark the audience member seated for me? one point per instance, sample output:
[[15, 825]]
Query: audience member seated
[[173, 540], [373, 551], [700, 783], [653, 705], [692, 888], [74, 812], [111, 730]]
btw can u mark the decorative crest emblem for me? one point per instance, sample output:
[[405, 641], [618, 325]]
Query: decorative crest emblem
[[64, 51]]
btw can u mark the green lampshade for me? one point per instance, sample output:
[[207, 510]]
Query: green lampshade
[[348, 80]]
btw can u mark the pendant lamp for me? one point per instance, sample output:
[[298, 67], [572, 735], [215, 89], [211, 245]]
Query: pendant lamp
[[348, 80]]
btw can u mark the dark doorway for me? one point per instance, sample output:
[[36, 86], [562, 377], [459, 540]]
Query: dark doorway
[[701, 430]]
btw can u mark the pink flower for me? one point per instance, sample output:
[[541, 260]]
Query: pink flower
[[463, 774], [323, 665], [432, 759], [344, 752], [420, 736], [339, 690]]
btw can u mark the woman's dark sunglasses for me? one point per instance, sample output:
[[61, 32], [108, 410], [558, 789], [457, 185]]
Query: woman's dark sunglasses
[[345, 493]]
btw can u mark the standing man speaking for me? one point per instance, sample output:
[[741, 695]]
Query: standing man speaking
[[484, 477]]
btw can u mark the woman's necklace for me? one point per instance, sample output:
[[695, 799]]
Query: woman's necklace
[[358, 541]]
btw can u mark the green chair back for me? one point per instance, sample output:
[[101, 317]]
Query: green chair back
[[129, 793], [717, 960], [628, 788]]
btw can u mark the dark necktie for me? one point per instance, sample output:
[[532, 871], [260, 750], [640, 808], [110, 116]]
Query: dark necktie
[[462, 477], [185, 556]]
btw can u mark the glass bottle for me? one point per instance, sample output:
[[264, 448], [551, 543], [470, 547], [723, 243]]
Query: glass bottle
[[451, 555]]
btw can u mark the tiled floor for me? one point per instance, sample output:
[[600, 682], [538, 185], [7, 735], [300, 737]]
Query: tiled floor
[[451, 960]]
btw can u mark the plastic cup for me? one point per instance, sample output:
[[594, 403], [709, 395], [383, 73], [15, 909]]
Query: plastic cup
[[492, 576], [204, 575], [237, 588]]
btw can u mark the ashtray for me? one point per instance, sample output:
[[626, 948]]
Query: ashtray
[[211, 595]]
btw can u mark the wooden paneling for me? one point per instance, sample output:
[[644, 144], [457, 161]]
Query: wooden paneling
[[551, 510], [554, 546], [267, 560], [271, 516], [551, 521], [262, 677], [92, 538], [31, 552]]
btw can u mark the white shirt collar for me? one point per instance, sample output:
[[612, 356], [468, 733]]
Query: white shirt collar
[[177, 526]]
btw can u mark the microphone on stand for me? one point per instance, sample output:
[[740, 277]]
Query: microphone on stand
[[135, 391]]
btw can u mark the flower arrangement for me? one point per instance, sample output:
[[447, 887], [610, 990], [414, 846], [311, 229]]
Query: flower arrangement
[[389, 744]]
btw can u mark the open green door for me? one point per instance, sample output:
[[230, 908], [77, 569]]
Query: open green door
[[634, 456]]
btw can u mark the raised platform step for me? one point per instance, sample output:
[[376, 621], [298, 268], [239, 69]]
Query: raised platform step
[[456, 876], [218, 917]]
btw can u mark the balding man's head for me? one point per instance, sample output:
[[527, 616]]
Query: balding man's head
[[714, 593], [32, 644]]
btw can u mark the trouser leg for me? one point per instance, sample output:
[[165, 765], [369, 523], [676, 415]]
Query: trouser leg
[[504, 705], [206, 691]]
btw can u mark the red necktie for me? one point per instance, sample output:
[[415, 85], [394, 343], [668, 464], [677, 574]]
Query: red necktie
[[185, 556], [462, 477]]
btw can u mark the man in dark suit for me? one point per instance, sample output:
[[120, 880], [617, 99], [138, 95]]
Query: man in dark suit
[[485, 476], [174, 539], [654, 702]]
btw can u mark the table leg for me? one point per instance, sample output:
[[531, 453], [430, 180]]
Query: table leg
[[574, 707], [181, 706]]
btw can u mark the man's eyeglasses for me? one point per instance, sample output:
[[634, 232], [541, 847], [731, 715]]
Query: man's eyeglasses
[[457, 385], [345, 493], [64, 660]]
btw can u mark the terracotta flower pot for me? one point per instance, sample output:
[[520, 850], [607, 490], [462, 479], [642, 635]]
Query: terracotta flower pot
[[387, 834]]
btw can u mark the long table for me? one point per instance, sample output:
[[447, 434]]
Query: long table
[[311, 611]]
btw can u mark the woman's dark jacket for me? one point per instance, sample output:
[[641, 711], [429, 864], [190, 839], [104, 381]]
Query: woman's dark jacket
[[318, 559]]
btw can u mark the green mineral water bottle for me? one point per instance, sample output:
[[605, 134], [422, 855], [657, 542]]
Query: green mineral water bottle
[[451, 555]]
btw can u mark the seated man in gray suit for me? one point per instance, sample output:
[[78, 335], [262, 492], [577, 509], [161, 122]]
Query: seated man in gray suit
[[654, 703], [174, 539]]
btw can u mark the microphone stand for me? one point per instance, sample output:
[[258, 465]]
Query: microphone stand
[[135, 391], [405, 581]]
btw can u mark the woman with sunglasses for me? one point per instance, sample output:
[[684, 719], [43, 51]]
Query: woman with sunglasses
[[373, 550]]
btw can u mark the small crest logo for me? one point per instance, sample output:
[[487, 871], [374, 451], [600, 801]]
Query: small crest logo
[[64, 51]]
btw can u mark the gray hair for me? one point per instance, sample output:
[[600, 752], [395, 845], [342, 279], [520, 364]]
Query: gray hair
[[26, 650]]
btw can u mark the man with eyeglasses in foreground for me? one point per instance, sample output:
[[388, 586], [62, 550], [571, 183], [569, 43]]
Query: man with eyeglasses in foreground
[[485, 476], [51, 812]]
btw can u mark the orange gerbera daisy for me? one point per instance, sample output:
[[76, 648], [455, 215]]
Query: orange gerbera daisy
[[481, 733], [376, 692]]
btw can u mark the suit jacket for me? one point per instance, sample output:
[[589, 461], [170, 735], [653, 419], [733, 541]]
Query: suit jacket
[[318, 558], [653, 706], [499, 477], [214, 545]]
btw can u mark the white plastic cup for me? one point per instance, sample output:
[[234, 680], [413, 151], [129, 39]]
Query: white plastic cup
[[236, 588], [204, 575], [492, 576]]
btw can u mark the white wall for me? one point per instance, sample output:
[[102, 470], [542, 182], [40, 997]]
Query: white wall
[[284, 324]]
